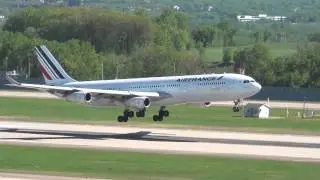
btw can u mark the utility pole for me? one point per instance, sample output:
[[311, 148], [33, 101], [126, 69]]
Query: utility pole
[[29, 67], [304, 107], [102, 77], [117, 71]]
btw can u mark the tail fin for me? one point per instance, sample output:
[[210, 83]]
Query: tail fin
[[51, 70]]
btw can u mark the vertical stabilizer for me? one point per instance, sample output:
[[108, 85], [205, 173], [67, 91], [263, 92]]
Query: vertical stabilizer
[[52, 71]]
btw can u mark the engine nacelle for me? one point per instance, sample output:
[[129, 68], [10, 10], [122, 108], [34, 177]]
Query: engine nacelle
[[82, 97], [138, 102]]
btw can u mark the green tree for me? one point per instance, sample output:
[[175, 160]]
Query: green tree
[[228, 56], [255, 60], [204, 35], [172, 30], [266, 35], [107, 31], [159, 61]]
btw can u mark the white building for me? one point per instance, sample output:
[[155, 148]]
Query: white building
[[256, 110], [176, 7], [249, 18], [2, 18]]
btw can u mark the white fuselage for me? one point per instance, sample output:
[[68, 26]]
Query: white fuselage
[[179, 89]]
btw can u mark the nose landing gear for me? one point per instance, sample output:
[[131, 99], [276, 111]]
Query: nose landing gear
[[236, 105]]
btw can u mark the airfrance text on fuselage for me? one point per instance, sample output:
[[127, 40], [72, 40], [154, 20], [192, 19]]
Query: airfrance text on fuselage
[[198, 79]]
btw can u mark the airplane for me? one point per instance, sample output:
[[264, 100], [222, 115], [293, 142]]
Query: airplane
[[137, 94]]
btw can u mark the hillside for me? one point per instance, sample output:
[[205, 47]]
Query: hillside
[[297, 10], [300, 10]]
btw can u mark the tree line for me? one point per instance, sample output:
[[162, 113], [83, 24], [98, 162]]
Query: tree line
[[93, 43], [297, 70], [90, 41]]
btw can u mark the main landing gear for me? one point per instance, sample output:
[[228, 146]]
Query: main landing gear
[[129, 114], [162, 113], [126, 115], [236, 105]]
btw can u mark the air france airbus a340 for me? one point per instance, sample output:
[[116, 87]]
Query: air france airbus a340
[[137, 94]]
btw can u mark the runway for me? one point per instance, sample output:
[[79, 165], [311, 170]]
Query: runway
[[23, 176], [270, 146]]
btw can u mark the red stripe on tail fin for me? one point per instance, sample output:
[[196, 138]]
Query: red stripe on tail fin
[[45, 73]]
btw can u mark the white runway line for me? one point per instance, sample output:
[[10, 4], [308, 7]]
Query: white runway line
[[41, 95], [22, 176], [227, 147]]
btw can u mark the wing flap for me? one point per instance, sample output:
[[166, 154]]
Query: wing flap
[[119, 92]]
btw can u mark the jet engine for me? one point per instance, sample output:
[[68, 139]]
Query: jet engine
[[138, 102], [82, 97]]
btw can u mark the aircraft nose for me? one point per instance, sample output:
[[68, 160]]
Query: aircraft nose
[[257, 86]]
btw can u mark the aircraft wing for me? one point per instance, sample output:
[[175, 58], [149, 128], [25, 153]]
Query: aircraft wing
[[68, 90]]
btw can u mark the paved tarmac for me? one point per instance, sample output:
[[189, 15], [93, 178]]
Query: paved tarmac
[[270, 146]]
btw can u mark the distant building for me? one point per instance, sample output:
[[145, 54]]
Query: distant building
[[249, 18], [2, 18], [176, 7], [211, 8]]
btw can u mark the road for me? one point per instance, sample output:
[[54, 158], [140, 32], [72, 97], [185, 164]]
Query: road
[[270, 146]]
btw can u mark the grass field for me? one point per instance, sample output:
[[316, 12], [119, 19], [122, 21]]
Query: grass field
[[276, 49], [139, 166], [182, 115]]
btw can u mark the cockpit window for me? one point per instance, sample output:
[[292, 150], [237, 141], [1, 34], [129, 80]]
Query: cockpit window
[[248, 81]]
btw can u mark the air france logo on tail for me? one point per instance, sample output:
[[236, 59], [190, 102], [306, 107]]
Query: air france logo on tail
[[49, 70]]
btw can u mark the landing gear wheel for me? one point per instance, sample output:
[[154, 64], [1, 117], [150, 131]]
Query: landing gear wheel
[[165, 113], [235, 109], [125, 116], [130, 114], [157, 118], [162, 113], [120, 118], [140, 113]]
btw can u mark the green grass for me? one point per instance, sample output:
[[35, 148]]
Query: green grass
[[276, 49], [182, 115], [139, 166]]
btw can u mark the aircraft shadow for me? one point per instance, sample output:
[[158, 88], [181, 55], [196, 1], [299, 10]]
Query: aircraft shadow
[[141, 135], [147, 136]]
